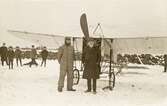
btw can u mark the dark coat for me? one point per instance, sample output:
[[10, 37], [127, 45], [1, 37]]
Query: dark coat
[[44, 54], [4, 51], [165, 59], [33, 53], [18, 53], [91, 61], [10, 54]]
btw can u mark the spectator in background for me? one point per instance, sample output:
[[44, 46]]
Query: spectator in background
[[44, 55], [165, 62], [10, 56], [4, 51], [33, 56], [18, 54]]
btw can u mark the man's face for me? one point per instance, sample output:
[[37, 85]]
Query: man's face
[[4, 44], [10, 48], [91, 44], [68, 41], [33, 47]]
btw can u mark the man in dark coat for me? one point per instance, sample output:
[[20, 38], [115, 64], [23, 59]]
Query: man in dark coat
[[165, 62], [33, 55], [4, 51], [91, 65], [44, 55], [18, 54], [10, 55], [65, 59]]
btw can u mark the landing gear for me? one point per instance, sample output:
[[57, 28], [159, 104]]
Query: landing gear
[[111, 75], [111, 82], [76, 76]]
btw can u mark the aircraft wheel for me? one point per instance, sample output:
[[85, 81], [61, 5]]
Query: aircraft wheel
[[112, 79], [76, 76]]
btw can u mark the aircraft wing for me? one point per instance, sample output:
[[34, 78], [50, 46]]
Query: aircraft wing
[[49, 40], [139, 45], [129, 45], [147, 45]]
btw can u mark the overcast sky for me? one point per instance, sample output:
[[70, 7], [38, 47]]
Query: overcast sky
[[117, 17]]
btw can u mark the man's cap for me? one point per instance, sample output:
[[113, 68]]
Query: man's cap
[[10, 47], [67, 38]]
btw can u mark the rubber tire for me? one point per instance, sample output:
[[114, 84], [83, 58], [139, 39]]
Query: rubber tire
[[113, 79], [76, 76]]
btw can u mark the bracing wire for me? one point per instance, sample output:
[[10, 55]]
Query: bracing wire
[[102, 64]]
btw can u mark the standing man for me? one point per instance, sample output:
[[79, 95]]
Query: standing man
[[65, 59], [18, 54], [33, 55], [44, 55], [4, 51], [165, 62], [10, 55], [91, 62]]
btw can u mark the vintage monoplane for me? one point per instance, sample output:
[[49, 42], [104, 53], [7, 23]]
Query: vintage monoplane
[[109, 47]]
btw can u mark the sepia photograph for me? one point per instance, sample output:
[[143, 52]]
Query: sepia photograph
[[83, 52]]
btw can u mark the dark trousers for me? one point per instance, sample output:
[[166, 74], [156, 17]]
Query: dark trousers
[[165, 67], [4, 59], [43, 62], [89, 84], [33, 62], [18, 60], [10, 63]]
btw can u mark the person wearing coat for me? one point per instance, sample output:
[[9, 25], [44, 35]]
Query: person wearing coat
[[4, 51], [91, 62], [33, 55], [18, 56], [44, 54], [10, 55], [165, 62], [65, 59]]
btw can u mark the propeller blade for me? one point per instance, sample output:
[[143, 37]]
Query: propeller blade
[[84, 25]]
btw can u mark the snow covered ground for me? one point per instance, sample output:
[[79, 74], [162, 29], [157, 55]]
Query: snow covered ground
[[37, 86]]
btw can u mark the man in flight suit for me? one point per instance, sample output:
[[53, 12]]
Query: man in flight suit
[[65, 59]]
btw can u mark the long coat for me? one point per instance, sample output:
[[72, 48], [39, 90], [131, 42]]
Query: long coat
[[44, 54], [91, 61], [10, 54], [33, 53], [3, 51], [18, 53], [165, 59]]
